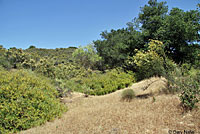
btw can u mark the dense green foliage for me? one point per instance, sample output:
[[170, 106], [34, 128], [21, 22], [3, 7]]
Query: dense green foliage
[[68, 70], [191, 92], [59, 54], [117, 45], [26, 100], [177, 29], [187, 82], [73, 74], [53, 63], [100, 84], [3, 60], [151, 62], [87, 57]]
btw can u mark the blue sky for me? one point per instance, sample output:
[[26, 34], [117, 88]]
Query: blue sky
[[64, 23]]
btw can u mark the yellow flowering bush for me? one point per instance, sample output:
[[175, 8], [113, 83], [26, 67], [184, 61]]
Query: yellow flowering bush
[[67, 71], [150, 62], [26, 101]]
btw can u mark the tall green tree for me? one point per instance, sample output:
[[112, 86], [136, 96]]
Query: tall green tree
[[177, 29], [151, 18], [181, 34], [117, 45]]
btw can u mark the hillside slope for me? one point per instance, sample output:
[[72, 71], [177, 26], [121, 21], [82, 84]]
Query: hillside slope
[[108, 114]]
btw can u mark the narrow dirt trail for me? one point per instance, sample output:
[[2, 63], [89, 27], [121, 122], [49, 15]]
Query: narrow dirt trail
[[109, 115]]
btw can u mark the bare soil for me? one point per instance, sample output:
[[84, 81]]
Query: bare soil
[[108, 114]]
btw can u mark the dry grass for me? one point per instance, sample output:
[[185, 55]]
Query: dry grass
[[109, 115]]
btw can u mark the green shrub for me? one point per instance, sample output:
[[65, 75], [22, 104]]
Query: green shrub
[[187, 83], [194, 73], [174, 79], [5, 63], [1, 68], [86, 56], [190, 86], [190, 94], [128, 94], [66, 71], [3, 60], [46, 67], [109, 82], [26, 101], [100, 84], [152, 62], [16, 57]]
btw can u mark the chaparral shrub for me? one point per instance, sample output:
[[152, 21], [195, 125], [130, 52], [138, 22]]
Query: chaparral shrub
[[190, 95], [151, 62], [26, 100], [187, 83], [102, 83]]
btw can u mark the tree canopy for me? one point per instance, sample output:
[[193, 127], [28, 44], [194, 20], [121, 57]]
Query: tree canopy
[[177, 29]]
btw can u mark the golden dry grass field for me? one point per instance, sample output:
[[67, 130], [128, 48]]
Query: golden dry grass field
[[108, 114]]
